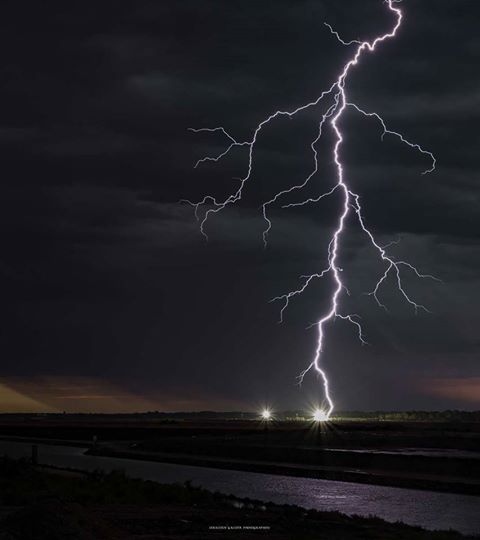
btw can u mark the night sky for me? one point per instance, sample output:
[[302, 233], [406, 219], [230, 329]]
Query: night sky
[[110, 298]]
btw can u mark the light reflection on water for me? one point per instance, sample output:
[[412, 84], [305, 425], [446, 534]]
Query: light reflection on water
[[425, 508]]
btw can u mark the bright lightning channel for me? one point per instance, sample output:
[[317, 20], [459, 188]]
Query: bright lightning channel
[[209, 205]]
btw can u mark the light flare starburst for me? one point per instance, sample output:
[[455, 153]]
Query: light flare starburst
[[320, 415], [210, 206], [266, 415]]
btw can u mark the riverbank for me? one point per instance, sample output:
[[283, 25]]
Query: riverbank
[[44, 503], [349, 472]]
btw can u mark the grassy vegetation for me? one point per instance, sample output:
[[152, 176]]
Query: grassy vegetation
[[57, 505], [22, 484]]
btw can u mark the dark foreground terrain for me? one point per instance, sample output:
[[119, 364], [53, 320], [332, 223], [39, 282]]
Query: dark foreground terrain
[[45, 504], [437, 454], [441, 453]]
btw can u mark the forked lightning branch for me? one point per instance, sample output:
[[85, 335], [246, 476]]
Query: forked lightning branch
[[339, 106]]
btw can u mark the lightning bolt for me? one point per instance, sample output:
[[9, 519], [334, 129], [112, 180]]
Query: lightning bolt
[[209, 205]]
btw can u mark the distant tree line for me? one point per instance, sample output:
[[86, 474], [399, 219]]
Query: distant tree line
[[418, 416], [298, 415]]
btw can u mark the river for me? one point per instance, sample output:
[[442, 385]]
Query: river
[[424, 508]]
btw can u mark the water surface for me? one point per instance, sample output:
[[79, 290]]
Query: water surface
[[425, 508]]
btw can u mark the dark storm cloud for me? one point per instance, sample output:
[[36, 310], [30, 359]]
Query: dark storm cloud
[[105, 275]]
